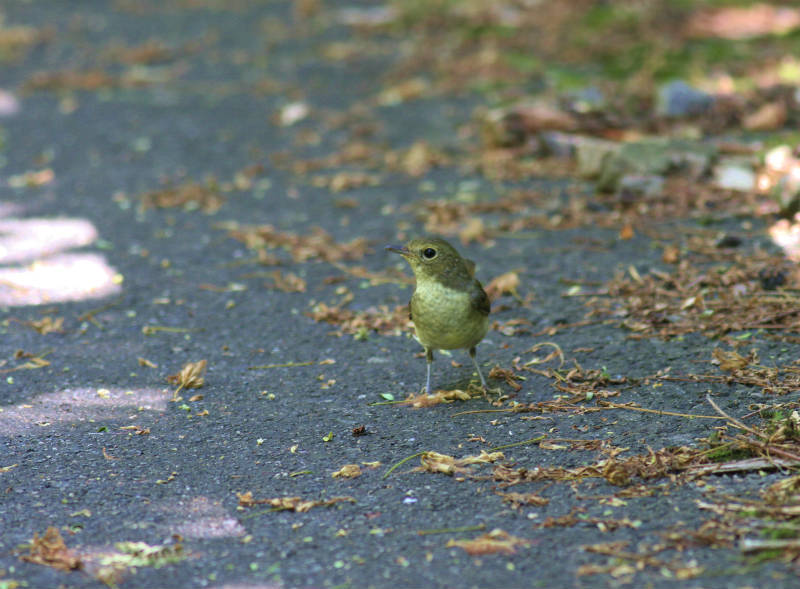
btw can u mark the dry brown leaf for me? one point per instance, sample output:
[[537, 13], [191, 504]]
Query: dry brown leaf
[[47, 325], [417, 160], [189, 195], [671, 254], [473, 230], [418, 401], [496, 541], [507, 375], [348, 471], [626, 233], [289, 282], [318, 245], [519, 499], [769, 117], [507, 283], [730, 361], [435, 462], [380, 319], [50, 550]]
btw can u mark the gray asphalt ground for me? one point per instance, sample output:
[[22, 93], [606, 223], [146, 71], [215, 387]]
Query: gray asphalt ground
[[210, 110]]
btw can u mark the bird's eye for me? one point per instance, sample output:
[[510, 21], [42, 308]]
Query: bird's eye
[[429, 253]]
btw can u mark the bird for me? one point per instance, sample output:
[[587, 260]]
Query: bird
[[449, 308]]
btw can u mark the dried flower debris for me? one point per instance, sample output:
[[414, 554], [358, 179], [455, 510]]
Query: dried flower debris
[[49, 549], [319, 245], [442, 463], [517, 500], [624, 564], [712, 299], [296, 504], [380, 319], [47, 324], [191, 376], [189, 195]]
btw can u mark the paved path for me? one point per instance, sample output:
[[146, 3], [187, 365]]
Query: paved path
[[254, 115]]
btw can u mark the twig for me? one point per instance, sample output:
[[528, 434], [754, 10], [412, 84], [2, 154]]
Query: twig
[[771, 449], [732, 420], [748, 464], [753, 545]]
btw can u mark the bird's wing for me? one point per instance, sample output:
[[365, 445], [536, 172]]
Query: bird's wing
[[479, 299], [470, 267]]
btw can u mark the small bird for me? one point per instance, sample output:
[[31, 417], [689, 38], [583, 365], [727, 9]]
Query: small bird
[[449, 308]]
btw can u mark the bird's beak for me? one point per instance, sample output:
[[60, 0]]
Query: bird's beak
[[398, 249]]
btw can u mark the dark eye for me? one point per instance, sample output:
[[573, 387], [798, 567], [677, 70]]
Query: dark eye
[[429, 253]]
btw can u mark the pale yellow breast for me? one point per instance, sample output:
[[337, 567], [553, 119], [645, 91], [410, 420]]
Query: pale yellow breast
[[444, 318]]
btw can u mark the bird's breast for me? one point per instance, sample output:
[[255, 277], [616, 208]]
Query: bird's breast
[[444, 317]]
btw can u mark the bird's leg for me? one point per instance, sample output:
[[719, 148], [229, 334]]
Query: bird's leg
[[478, 368], [429, 360]]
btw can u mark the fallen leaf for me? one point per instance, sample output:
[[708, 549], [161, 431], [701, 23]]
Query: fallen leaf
[[768, 117], [418, 401], [348, 471], [47, 325], [626, 233], [730, 361], [50, 550], [507, 283], [289, 282], [519, 499], [496, 541], [189, 195]]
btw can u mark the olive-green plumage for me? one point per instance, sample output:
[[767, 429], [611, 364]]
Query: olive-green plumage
[[449, 307]]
